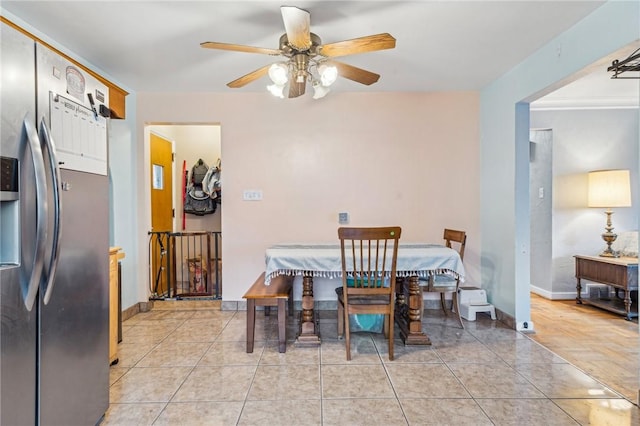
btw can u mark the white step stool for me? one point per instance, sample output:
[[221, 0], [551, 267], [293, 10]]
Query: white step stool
[[473, 300]]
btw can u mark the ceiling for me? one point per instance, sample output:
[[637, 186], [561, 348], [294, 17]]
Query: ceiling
[[441, 45]]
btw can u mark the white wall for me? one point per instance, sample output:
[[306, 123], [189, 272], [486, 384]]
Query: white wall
[[504, 145], [123, 165], [540, 205], [401, 158]]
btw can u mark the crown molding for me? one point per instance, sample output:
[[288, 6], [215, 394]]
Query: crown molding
[[585, 103]]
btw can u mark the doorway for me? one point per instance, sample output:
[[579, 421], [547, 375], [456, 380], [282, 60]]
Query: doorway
[[586, 130], [193, 144]]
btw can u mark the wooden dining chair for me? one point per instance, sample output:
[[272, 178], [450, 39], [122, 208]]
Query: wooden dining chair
[[441, 283], [369, 257]]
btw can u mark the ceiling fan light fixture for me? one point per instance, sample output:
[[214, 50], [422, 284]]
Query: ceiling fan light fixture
[[328, 74], [279, 73], [319, 90], [276, 90]]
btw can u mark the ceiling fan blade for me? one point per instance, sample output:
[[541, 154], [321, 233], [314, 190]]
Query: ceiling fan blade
[[358, 45], [248, 78], [297, 23], [239, 48], [297, 88], [354, 73]]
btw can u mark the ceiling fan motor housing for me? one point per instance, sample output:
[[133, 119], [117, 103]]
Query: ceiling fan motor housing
[[288, 50]]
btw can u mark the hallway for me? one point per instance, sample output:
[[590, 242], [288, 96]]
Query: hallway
[[185, 363]]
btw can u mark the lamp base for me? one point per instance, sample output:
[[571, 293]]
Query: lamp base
[[608, 252], [609, 237]]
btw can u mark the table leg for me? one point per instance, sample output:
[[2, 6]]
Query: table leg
[[627, 304], [308, 331], [409, 317], [579, 292], [251, 323]]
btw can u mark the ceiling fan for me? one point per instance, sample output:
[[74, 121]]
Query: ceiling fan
[[308, 60]]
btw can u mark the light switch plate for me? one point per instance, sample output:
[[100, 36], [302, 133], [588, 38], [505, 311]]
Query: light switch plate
[[343, 218], [252, 195]]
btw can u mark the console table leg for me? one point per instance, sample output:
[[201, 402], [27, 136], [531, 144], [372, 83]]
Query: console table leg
[[627, 305], [579, 291]]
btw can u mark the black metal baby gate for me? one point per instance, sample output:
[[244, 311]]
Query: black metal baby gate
[[185, 264]]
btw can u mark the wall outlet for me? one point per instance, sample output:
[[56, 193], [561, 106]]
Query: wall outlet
[[525, 326], [252, 195], [343, 218]]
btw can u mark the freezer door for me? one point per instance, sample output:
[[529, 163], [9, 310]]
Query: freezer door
[[18, 332]]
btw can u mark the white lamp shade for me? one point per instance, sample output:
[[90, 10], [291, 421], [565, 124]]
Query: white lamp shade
[[319, 91], [276, 90], [278, 73], [328, 74], [609, 188]]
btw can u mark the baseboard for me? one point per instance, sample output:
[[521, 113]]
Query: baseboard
[[136, 309], [233, 305], [506, 319], [561, 295]]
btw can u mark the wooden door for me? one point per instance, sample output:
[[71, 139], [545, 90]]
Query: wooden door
[[161, 159]]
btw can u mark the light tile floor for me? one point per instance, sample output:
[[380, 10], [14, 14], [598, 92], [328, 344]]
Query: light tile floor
[[185, 363]]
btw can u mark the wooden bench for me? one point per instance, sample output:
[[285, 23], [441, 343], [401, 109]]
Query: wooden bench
[[279, 290]]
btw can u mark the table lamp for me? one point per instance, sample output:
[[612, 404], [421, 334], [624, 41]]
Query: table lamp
[[608, 189]]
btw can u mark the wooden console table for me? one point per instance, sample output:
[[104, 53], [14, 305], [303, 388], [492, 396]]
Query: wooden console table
[[621, 273]]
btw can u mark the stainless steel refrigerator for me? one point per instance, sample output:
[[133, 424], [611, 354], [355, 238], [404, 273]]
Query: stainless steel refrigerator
[[54, 366]]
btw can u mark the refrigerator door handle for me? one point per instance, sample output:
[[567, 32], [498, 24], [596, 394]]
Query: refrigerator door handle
[[46, 138], [41, 213]]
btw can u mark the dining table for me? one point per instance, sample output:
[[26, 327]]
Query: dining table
[[323, 260]]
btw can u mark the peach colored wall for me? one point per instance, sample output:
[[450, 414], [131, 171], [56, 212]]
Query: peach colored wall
[[410, 159]]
